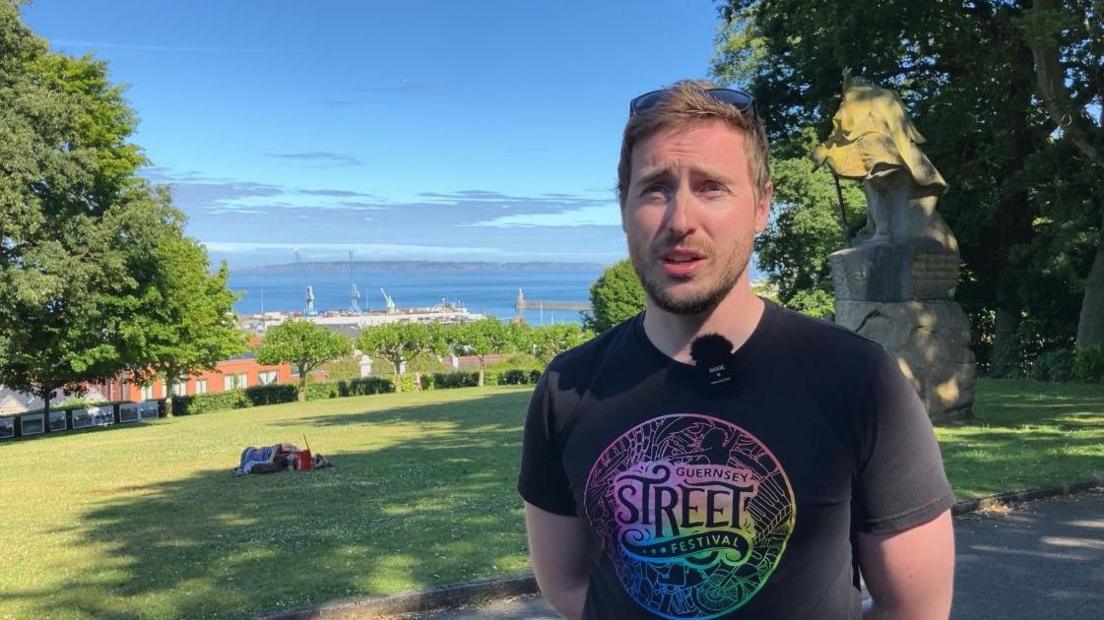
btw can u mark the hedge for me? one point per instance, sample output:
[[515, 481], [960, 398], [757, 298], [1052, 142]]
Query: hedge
[[514, 376], [353, 387], [286, 393], [202, 403], [234, 399]]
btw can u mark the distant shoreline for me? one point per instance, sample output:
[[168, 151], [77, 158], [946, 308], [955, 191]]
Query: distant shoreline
[[415, 265]]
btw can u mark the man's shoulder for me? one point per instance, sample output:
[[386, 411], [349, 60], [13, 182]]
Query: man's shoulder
[[584, 360]]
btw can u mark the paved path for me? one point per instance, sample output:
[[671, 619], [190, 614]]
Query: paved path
[[1041, 560]]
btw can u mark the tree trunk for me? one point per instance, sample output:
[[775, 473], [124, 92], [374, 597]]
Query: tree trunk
[[1090, 325], [1050, 78], [170, 381], [1006, 342], [482, 370], [302, 396], [46, 410]]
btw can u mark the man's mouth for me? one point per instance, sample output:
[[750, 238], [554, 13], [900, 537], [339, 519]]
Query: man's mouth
[[681, 263]]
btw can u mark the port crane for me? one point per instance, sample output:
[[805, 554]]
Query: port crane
[[387, 300]]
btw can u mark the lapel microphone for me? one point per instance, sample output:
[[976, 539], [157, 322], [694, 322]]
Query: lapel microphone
[[712, 354]]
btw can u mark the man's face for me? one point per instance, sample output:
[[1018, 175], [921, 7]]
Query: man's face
[[691, 215]]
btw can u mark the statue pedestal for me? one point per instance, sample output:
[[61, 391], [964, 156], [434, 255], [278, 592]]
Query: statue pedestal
[[895, 272], [899, 295], [931, 340]]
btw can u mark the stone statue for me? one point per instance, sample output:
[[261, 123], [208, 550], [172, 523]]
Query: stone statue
[[873, 140], [895, 283]]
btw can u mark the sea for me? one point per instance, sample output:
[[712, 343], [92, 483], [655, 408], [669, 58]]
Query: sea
[[484, 291]]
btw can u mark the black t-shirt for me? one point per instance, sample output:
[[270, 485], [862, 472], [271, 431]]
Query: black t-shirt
[[736, 500]]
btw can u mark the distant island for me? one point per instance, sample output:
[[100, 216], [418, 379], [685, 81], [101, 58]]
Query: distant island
[[415, 265]]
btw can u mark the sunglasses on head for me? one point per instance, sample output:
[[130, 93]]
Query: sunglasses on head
[[742, 101]]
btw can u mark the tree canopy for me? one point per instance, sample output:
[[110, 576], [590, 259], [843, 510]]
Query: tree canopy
[[615, 296], [96, 274], [183, 321], [399, 342], [302, 344], [70, 204], [482, 338], [548, 341], [969, 74]]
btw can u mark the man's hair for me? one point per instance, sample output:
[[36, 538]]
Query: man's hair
[[686, 103]]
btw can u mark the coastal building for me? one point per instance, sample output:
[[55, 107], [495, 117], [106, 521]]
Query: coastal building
[[235, 373]]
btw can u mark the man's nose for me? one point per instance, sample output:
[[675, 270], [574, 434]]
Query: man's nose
[[680, 212]]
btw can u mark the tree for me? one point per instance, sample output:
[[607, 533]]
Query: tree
[[615, 296], [482, 338], [966, 75], [68, 186], [551, 340], [1066, 39], [303, 344], [398, 342], [184, 322]]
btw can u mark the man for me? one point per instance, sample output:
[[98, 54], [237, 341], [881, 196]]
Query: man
[[754, 482]]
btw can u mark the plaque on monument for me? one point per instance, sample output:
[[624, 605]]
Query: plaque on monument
[[894, 272], [57, 420]]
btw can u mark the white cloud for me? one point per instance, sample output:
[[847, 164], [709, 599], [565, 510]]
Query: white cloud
[[597, 215], [233, 247]]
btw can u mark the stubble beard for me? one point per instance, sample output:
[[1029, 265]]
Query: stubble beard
[[652, 279]]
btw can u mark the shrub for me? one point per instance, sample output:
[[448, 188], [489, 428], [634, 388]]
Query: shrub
[[408, 382], [322, 391], [448, 380], [1055, 365], [1089, 364], [202, 403], [271, 394], [365, 385], [513, 376]]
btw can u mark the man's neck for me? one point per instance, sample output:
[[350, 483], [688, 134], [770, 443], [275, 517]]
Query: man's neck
[[734, 317]]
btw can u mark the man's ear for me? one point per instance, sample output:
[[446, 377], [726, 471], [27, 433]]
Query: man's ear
[[762, 207]]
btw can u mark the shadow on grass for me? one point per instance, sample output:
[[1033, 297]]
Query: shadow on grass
[[1025, 434], [432, 509]]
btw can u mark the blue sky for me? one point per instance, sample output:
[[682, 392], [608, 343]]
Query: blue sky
[[469, 130]]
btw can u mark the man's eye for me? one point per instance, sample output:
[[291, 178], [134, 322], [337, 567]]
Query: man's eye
[[712, 186], [653, 189]]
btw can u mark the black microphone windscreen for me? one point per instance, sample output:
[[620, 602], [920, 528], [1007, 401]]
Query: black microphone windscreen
[[712, 353], [710, 348]]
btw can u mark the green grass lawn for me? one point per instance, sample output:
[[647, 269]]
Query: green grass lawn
[[146, 520], [1025, 434]]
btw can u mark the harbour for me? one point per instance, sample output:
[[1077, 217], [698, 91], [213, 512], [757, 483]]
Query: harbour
[[550, 295]]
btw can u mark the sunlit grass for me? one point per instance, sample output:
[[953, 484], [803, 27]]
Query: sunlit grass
[[1025, 435], [146, 521]]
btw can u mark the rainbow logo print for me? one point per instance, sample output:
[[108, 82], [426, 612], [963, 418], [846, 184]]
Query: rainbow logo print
[[694, 511]]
